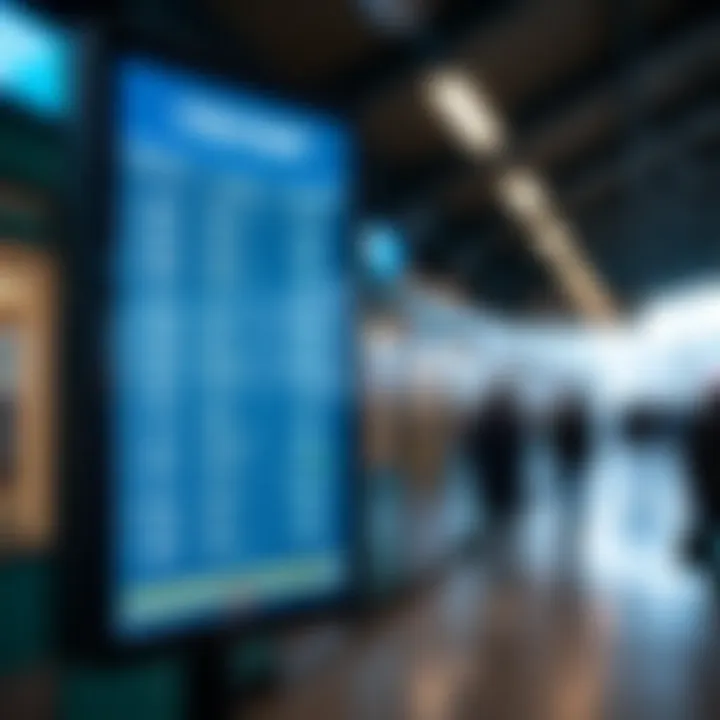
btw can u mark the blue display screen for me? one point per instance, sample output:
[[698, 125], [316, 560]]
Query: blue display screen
[[231, 354]]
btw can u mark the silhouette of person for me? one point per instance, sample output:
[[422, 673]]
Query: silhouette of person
[[703, 455], [570, 439], [494, 449]]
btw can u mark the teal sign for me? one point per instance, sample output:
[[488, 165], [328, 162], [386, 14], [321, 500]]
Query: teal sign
[[35, 62]]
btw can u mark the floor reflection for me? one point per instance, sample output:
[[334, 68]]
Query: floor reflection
[[599, 620]]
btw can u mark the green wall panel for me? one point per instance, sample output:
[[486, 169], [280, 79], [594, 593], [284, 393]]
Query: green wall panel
[[25, 615], [146, 691], [32, 155]]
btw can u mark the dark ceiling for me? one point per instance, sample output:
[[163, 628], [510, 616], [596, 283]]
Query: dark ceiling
[[605, 98], [599, 94]]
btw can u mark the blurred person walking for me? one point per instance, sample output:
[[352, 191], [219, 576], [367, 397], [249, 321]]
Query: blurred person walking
[[570, 439], [495, 443], [703, 462]]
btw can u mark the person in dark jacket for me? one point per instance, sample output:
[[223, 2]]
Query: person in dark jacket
[[703, 456], [570, 439], [495, 440]]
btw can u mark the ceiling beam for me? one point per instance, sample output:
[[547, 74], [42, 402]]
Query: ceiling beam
[[580, 191], [477, 249], [591, 114]]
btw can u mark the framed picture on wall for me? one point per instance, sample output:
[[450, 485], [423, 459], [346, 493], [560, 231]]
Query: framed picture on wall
[[27, 368]]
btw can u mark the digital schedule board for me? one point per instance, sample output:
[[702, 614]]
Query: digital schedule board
[[226, 342]]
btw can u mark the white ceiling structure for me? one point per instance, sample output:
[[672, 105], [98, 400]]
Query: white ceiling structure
[[669, 352]]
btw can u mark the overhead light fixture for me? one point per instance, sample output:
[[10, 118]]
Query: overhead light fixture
[[528, 201], [557, 247], [523, 194], [475, 123], [556, 244], [468, 112], [553, 241]]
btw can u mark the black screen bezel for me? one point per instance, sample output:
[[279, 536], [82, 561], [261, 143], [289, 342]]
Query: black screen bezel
[[86, 490]]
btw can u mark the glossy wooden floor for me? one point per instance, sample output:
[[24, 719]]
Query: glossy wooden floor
[[614, 629]]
